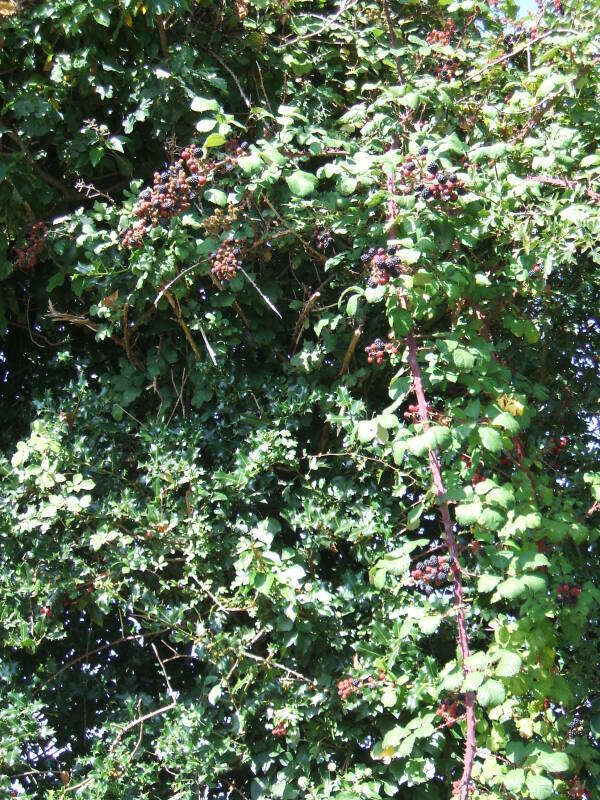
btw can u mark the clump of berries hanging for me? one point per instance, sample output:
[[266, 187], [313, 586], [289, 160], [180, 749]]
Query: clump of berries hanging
[[322, 238], [226, 262], [446, 68], [433, 573], [176, 187], [428, 181], [29, 253], [578, 789], [451, 709], [568, 593], [383, 264], [347, 687], [442, 36], [377, 350], [220, 221], [280, 729], [173, 191]]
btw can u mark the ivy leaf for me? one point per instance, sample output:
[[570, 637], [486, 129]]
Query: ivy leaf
[[302, 184]]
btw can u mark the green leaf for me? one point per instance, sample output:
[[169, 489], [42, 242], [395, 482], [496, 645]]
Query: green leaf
[[468, 513], [514, 780], [204, 104], [490, 439], [511, 588], [250, 165], [214, 140], [508, 665], [302, 184], [216, 196], [491, 693], [463, 359], [102, 17], [553, 762], [205, 125], [539, 787]]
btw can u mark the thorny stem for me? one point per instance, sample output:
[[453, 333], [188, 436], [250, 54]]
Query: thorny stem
[[440, 491]]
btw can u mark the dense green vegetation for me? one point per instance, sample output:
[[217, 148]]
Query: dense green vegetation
[[298, 342]]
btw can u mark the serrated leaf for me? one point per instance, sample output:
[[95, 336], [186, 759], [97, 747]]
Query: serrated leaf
[[473, 681], [205, 125], [204, 104], [214, 140], [508, 665], [301, 184], [491, 693], [490, 439], [468, 513], [511, 588], [539, 787], [553, 762], [487, 583], [216, 196], [514, 780], [251, 164]]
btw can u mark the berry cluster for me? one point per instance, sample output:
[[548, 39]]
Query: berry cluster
[[412, 414], [446, 68], [478, 477], [434, 572], [557, 445], [280, 729], [578, 790], [443, 36], [349, 686], [226, 261], [322, 238], [577, 727], [46, 611], [220, 221], [383, 265], [27, 256], [451, 709], [173, 190], [377, 350], [567, 593], [176, 187], [430, 182]]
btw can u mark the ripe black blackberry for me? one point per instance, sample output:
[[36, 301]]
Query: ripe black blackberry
[[419, 188], [433, 167], [453, 178], [432, 561], [379, 343], [365, 258], [423, 150], [426, 194], [410, 166], [146, 195], [164, 176], [192, 180], [442, 178], [421, 565]]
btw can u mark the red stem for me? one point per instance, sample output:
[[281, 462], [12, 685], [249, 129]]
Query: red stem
[[440, 491]]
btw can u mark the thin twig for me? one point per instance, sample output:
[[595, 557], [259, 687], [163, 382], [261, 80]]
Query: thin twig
[[233, 75], [168, 285], [294, 233], [170, 691], [182, 323], [328, 22], [279, 666], [261, 293], [349, 352]]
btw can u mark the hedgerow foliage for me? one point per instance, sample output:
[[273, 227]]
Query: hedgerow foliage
[[241, 556]]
